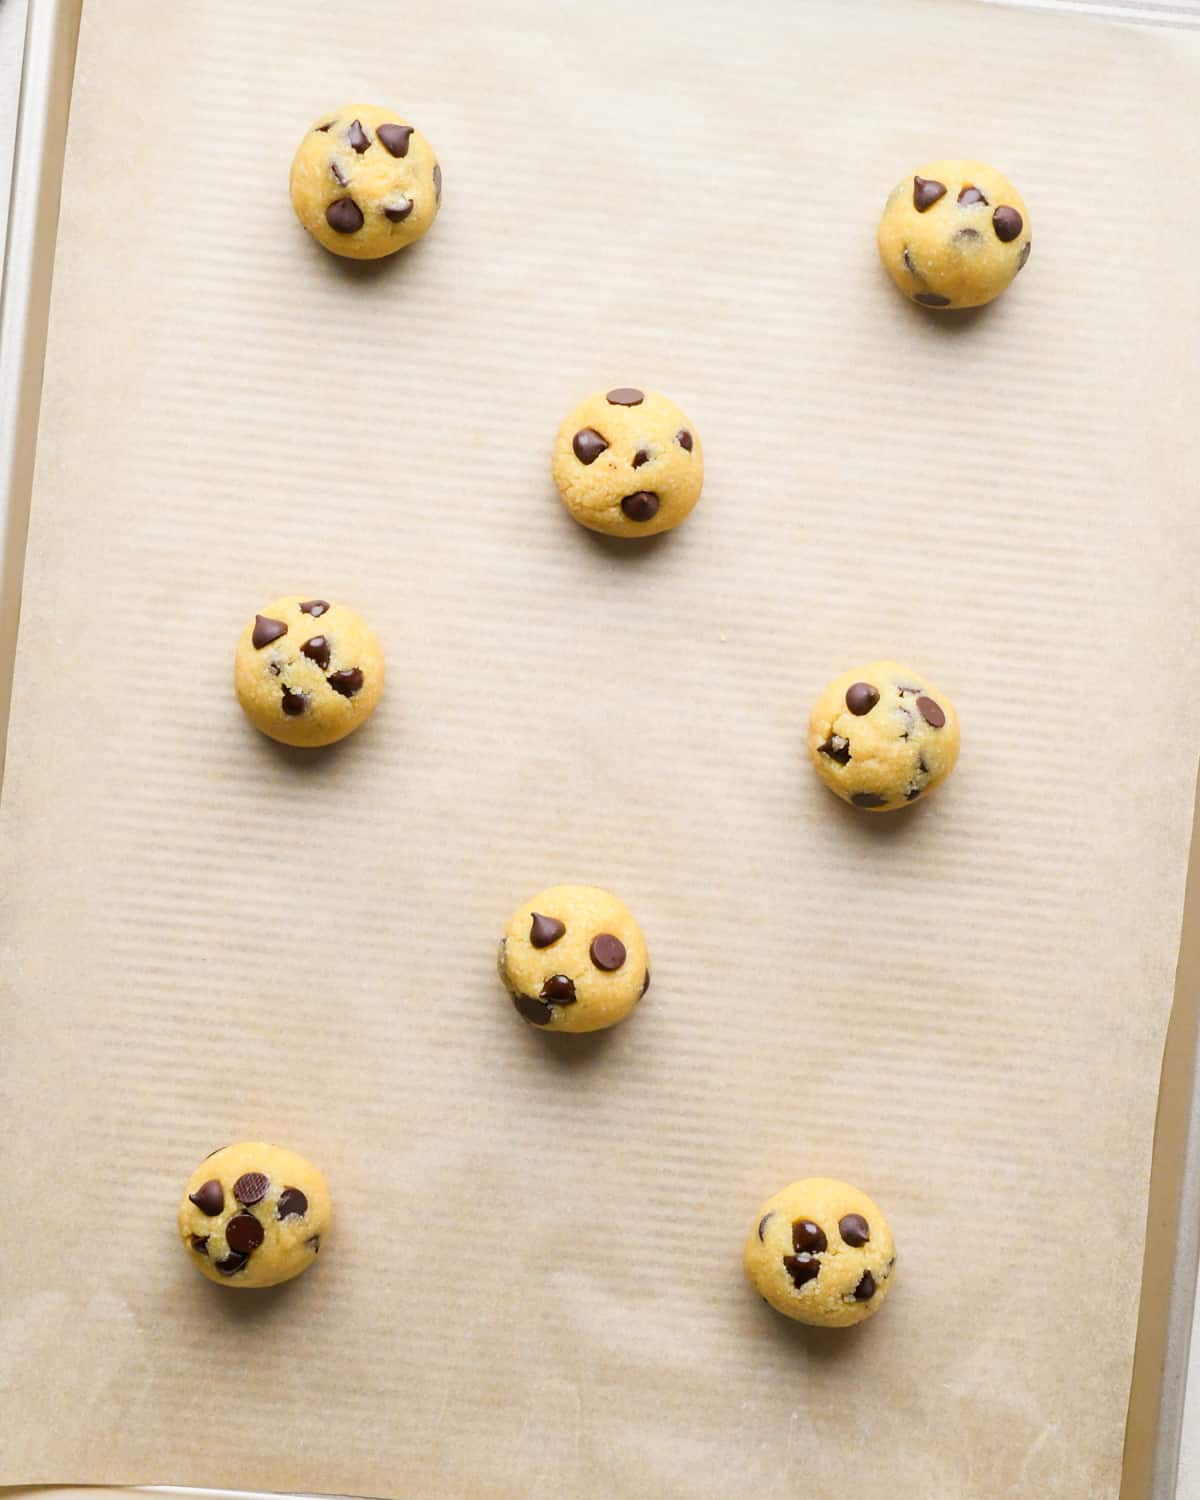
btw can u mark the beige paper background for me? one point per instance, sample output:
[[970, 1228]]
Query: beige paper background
[[534, 1288]]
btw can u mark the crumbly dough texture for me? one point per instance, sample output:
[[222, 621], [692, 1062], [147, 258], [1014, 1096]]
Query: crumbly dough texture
[[308, 671], [959, 247], [574, 959], [821, 1252], [363, 191], [253, 1215], [882, 736], [628, 462]]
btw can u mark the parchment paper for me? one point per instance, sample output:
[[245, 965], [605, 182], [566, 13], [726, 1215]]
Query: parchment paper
[[534, 1286]]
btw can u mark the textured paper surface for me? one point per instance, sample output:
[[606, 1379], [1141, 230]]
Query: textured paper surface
[[534, 1284]]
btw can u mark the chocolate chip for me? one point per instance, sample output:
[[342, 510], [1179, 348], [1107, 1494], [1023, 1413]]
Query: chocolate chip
[[293, 1204], [625, 395], [347, 682], [1024, 255], [607, 952], [931, 299], [762, 1223], [588, 445], [972, 195], [244, 1233], [933, 713], [266, 630], [358, 137], [837, 747], [868, 799], [338, 176], [533, 1010], [926, 192], [684, 438], [861, 698], [865, 1289], [640, 506], [316, 648], [394, 138], [293, 704], [642, 456], [645, 983], [560, 989], [545, 930], [1007, 223], [251, 1187], [344, 216], [808, 1236], [802, 1269], [209, 1199], [399, 211], [314, 607], [232, 1262], [854, 1229], [437, 182], [200, 1244]]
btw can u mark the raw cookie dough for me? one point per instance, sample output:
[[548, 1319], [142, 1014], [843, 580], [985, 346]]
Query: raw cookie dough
[[254, 1215], [574, 959], [628, 462], [821, 1252], [881, 736], [954, 235], [308, 672], [365, 182]]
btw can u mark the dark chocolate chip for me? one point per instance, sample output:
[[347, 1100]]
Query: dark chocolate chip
[[398, 212], [837, 747], [868, 799], [338, 176], [926, 192], [316, 648], [232, 1262], [802, 1269], [200, 1244], [209, 1199], [861, 698], [394, 138], [545, 930], [931, 299], [293, 1204], [808, 1236], [972, 195], [314, 607], [854, 1229], [1024, 255], [559, 989], [933, 713], [344, 216], [251, 1187], [437, 182], [684, 438], [588, 445], [607, 952], [314, 1243], [244, 1233], [642, 456], [641, 506], [322, 128], [1007, 223], [865, 1289], [347, 682], [266, 630], [533, 1010], [358, 137], [762, 1223], [645, 983], [625, 395], [293, 704]]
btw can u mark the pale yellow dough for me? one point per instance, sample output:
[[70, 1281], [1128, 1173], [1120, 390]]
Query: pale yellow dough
[[881, 755], [350, 216], [630, 446], [291, 1215], [313, 683], [806, 1253], [958, 250], [589, 975]]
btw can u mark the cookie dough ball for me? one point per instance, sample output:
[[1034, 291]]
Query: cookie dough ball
[[365, 182], [881, 736], [821, 1252], [574, 959], [254, 1215], [308, 672], [954, 235], [628, 463]]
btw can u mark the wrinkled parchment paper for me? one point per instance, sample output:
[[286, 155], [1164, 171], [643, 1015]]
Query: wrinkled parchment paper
[[534, 1287]]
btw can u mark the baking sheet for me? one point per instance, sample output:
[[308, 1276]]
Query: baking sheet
[[536, 1285]]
